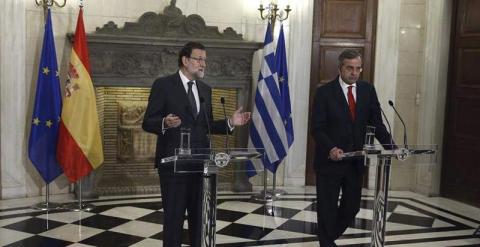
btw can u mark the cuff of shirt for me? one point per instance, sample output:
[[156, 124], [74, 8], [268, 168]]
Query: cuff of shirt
[[163, 126], [230, 126]]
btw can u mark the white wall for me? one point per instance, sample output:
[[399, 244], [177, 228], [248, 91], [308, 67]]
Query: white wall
[[13, 92], [411, 68], [18, 174]]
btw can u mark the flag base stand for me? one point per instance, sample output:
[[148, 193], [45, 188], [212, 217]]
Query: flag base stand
[[268, 195], [47, 205], [78, 206], [263, 197], [276, 192]]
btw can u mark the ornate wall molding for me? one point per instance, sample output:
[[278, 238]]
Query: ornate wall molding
[[171, 23], [140, 52], [139, 65]]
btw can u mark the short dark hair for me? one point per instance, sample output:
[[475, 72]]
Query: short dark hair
[[348, 54], [186, 51]]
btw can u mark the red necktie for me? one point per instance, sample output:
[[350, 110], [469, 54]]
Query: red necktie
[[351, 102]]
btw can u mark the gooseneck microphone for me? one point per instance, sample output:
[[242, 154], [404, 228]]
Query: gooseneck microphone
[[202, 105], [403, 123], [222, 100], [389, 128]]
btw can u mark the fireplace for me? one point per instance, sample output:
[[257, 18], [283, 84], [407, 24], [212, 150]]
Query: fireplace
[[125, 62]]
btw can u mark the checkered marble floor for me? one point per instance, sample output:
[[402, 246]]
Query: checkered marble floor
[[413, 220]]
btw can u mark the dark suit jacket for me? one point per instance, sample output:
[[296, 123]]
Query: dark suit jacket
[[332, 125], [169, 96]]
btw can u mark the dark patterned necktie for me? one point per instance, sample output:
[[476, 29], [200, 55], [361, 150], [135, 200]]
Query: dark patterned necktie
[[351, 102], [191, 99]]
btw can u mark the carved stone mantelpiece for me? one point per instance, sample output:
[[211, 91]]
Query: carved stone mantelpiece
[[171, 23], [140, 52], [139, 65], [125, 62]]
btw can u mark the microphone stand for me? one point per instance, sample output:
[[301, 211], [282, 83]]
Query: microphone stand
[[403, 123], [203, 105], [222, 100], [389, 128]]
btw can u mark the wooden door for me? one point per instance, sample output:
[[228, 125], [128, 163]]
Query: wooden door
[[337, 25], [461, 166]]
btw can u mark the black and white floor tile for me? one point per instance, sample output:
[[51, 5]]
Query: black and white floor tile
[[413, 221]]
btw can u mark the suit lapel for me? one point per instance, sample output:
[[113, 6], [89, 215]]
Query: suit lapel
[[179, 91], [340, 98], [201, 94], [361, 99]]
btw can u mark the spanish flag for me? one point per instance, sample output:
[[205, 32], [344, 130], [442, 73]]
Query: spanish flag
[[79, 148]]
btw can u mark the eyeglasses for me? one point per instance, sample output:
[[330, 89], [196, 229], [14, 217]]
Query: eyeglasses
[[199, 59], [353, 69]]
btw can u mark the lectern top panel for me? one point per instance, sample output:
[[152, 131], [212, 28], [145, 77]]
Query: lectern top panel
[[400, 154], [206, 160]]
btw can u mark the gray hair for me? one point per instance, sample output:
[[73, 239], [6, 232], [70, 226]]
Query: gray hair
[[348, 54]]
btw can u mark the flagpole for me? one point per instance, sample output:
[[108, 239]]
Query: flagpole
[[264, 196], [47, 205], [274, 191], [46, 4], [80, 194], [272, 16], [79, 205], [43, 126]]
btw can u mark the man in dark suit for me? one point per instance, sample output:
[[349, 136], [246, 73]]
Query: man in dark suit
[[177, 101], [343, 108]]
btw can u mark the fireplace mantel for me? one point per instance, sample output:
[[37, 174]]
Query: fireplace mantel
[[125, 62]]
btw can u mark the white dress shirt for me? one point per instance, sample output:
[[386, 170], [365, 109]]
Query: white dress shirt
[[185, 81], [345, 89]]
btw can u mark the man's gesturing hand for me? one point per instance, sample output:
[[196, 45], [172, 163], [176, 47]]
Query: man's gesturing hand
[[335, 154], [172, 121], [240, 118]]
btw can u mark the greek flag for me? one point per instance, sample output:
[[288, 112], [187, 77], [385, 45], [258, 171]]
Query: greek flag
[[268, 128]]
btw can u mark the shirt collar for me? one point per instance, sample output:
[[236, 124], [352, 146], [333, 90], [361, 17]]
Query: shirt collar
[[184, 78], [345, 85]]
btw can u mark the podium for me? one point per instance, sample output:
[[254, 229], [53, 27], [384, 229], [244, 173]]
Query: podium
[[381, 157], [208, 162]]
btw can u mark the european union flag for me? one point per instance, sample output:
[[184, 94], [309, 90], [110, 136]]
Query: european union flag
[[282, 72], [42, 144]]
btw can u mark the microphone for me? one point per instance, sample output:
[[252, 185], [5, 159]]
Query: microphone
[[222, 100], [403, 123], [389, 128], [202, 105]]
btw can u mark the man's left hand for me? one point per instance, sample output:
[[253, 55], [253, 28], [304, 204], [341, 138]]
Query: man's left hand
[[240, 118]]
